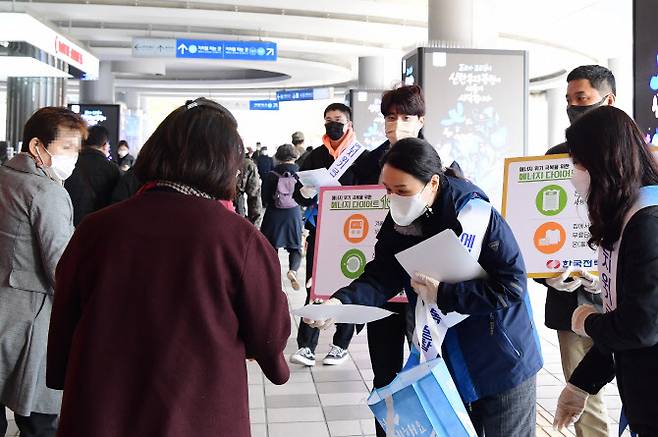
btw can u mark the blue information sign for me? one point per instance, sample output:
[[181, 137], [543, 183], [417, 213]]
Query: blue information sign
[[263, 105], [291, 95], [232, 50]]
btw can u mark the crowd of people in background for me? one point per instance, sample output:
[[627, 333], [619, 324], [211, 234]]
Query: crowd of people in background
[[205, 280]]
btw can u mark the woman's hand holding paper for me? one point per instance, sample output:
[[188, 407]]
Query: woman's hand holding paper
[[425, 286], [323, 324]]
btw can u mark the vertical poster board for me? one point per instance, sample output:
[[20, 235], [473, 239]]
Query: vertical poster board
[[108, 116], [476, 108], [548, 218], [367, 117], [349, 220], [645, 68]]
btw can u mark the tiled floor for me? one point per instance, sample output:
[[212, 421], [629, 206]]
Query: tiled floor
[[329, 401]]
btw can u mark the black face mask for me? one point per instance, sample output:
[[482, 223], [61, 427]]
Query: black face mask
[[334, 130], [574, 112]]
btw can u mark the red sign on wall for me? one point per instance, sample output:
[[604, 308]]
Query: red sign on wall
[[61, 47]]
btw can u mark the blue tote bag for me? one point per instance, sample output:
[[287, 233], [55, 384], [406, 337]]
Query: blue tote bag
[[421, 401]]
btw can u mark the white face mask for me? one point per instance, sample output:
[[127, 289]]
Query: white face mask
[[400, 129], [122, 153], [581, 181], [406, 209], [62, 165]]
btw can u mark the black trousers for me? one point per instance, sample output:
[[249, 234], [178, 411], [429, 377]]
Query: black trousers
[[34, 425], [645, 430], [294, 257], [386, 339], [307, 336]]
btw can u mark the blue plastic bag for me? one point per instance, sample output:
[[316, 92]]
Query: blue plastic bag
[[421, 401]]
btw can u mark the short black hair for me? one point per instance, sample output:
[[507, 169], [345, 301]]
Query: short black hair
[[123, 143], [339, 107], [197, 145], [98, 135], [598, 76], [406, 100]]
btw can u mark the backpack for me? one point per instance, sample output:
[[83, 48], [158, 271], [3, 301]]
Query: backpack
[[285, 186]]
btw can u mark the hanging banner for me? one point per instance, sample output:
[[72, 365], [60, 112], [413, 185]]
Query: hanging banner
[[548, 218], [349, 219]]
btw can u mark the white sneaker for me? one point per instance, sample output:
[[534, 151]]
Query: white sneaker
[[292, 275], [303, 356], [337, 355]]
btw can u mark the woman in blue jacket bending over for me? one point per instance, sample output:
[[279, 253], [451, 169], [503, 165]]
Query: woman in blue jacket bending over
[[494, 354]]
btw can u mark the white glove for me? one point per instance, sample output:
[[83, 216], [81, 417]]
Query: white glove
[[308, 192], [578, 318], [323, 324], [561, 283], [570, 405], [590, 282], [425, 286]]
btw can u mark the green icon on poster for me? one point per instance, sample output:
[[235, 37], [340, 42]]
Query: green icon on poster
[[551, 200], [353, 263]]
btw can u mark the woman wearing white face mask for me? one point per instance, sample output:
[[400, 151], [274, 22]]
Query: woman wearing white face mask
[[35, 226], [617, 173], [494, 354]]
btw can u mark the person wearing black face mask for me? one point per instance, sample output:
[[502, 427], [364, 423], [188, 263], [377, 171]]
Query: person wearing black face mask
[[588, 87], [339, 136]]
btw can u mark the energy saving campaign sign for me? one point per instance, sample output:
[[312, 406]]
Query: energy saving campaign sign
[[349, 219], [548, 218]]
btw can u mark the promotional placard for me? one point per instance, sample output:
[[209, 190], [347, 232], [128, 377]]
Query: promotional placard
[[349, 218], [548, 218]]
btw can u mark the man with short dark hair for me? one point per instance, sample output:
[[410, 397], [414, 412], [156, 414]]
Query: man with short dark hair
[[94, 178], [264, 162], [339, 136], [298, 142], [588, 87]]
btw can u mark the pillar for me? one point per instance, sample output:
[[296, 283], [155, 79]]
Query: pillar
[[461, 23], [378, 72], [622, 68], [25, 95], [99, 91], [557, 116]]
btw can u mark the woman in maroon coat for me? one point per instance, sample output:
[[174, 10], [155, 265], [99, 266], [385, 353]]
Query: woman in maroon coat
[[162, 353]]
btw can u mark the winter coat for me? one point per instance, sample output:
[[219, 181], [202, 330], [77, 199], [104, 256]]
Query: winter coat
[[626, 339], [321, 158], [164, 353], [92, 182], [497, 347], [281, 227], [36, 223], [249, 186]]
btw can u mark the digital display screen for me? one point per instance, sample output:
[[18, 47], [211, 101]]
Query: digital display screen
[[108, 116], [645, 60], [367, 117], [476, 109]]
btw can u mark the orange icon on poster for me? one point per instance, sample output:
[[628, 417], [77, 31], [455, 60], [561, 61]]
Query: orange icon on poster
[[356, 228], [550, 237]]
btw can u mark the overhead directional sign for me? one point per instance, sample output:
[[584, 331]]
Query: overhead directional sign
[[263, 105], [292, 95], [154, 47], [229, 50], [304, 94]]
